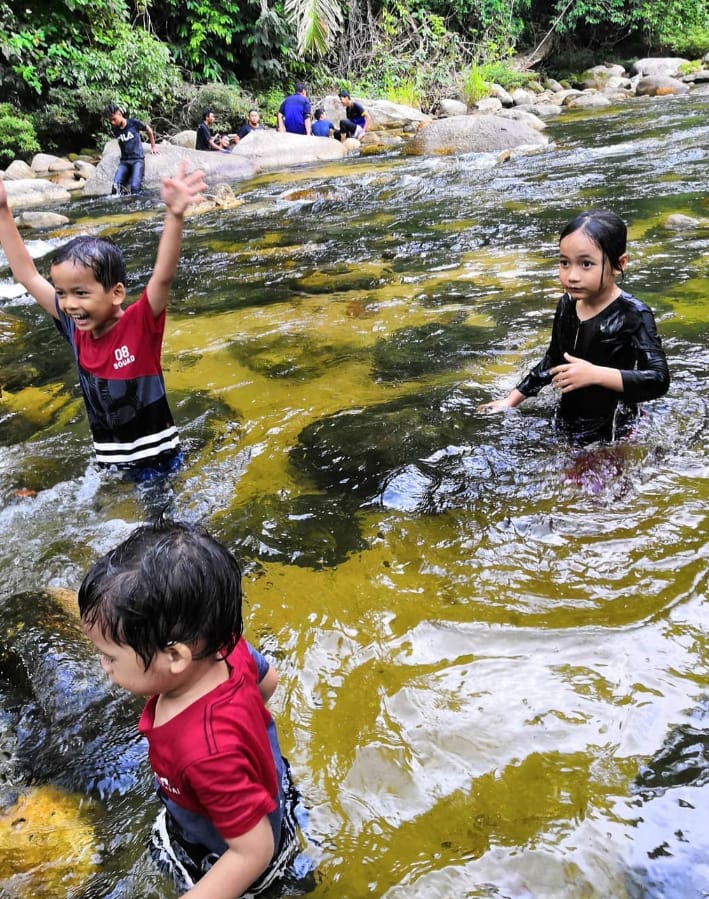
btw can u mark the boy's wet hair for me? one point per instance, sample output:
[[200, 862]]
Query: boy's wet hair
[[169, 582], [110, 108], [206, 111], [343, 93], [100, 254], [319, 113], [606, 229]]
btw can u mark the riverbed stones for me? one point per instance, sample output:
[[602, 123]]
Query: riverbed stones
[[472, 134]]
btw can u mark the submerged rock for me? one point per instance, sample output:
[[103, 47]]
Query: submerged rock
[[47, 823]]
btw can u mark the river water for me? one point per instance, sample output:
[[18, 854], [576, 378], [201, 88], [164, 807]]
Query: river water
[[492, 648]]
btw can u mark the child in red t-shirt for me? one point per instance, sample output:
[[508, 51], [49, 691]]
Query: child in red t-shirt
[[164, 611], [117, 350]]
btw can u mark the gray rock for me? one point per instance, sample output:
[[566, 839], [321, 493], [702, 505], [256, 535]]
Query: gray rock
[[665, 65], [679, 222], [660, 86], [41, 220], [185, 139], [17, 170], [42, 161], [30, 192], [522, 97], [488, 105], [600, 76], [384, 114], [450, 107], [700, 77], [496, 90], [524, 115], [472, 134], [591, 100]]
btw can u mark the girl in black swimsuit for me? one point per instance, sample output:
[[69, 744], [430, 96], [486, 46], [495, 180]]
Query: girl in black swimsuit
[[605, 355]]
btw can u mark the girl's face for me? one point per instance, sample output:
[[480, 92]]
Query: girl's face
[[585, 271]]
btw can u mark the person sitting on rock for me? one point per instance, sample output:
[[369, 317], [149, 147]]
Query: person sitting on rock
[[357, 121], [205, 139], [294, 113], [252, 123], [322, 127]]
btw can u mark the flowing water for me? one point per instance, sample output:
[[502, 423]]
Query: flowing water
[[492, 648]]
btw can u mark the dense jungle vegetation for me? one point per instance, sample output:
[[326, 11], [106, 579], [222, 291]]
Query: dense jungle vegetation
[[61, 61]]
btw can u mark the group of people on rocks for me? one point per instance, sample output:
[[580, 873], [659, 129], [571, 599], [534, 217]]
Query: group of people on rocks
[[294, 116], [163, 608]]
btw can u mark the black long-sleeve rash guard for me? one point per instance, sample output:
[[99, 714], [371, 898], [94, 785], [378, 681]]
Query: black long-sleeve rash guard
[[622, 336]]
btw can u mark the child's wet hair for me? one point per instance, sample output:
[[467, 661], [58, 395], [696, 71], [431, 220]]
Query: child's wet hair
[[606, 229], [169, 582], [99, 254]]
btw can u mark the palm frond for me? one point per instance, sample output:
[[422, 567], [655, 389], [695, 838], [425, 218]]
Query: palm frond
[[316, 21]]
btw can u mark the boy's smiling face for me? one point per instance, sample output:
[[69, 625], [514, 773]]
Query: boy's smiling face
[[92, 307]]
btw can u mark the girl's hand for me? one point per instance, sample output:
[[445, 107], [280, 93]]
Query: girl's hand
[[182, 189], [574, 374]]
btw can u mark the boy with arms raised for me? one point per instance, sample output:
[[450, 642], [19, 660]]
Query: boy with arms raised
[[164, 611], [117, 350]]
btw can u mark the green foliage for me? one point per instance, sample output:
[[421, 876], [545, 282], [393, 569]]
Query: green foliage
[[474, 86], [229, 103], [316, 22], [17, 136], [692, 42]]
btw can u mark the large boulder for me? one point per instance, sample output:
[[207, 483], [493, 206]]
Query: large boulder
[[665, 65], [383, 113], [30, 192], [660, 86], [472, 134], [261, 151]]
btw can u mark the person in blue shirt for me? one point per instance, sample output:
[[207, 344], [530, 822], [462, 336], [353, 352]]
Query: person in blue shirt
[[322, 127], [294, 113], [132, 165]]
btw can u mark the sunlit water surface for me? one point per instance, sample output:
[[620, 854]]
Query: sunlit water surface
[[487, 642]]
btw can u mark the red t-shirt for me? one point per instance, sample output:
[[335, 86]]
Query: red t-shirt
[[214, 759]]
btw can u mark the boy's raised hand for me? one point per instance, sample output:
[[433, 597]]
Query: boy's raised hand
[[182, 189]]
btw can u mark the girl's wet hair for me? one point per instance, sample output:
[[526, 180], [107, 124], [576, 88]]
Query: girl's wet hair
[[169, 582], [606, 229], [99, 254]]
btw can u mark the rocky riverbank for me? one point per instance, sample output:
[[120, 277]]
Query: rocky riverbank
[[501, 122]]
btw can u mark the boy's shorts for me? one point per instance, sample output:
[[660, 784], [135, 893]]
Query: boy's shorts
[[290, 871]]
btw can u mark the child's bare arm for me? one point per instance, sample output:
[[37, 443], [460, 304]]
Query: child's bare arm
[[244, 860], [23, 268], [268, 683], [177, 193]]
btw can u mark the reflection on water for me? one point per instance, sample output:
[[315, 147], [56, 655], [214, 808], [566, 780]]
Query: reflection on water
[[490, 644]]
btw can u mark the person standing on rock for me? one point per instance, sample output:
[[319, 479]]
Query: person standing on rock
[[132, 165], [294, 114]]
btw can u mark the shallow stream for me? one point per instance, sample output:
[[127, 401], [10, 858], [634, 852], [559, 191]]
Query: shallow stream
[[493, 649]]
